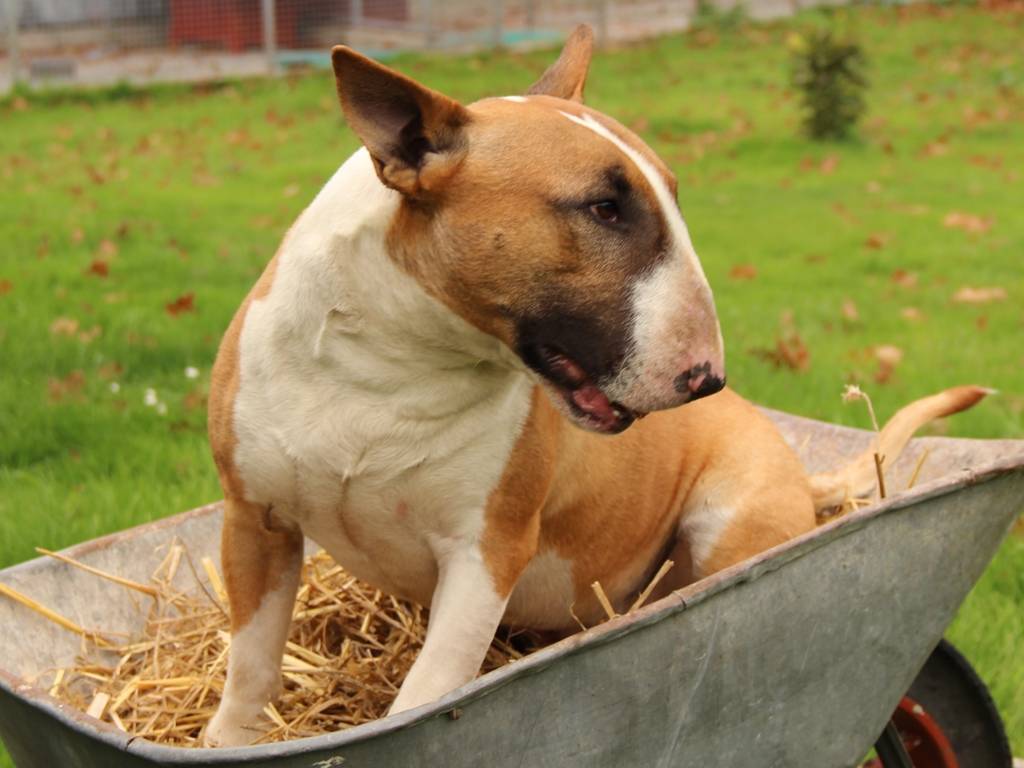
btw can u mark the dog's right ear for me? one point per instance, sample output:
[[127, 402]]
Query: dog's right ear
[[567, 76], [414, 135]]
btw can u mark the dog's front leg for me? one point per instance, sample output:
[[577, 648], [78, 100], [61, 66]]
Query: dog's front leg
[[465, 610], [261, 556]]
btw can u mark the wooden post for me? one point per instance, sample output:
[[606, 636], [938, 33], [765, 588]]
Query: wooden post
[[602, 23], [428, 23], [13, 14], [356, 13], [498, 9], [269, 35]]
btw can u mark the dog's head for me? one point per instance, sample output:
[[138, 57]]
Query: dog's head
[[550, 226]]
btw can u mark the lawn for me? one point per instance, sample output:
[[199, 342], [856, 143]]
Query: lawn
[[134, 223]]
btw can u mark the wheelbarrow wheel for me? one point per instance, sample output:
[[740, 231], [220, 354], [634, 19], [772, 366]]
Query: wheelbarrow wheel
[[946, 720]]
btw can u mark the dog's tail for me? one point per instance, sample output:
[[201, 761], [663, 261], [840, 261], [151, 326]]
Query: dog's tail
[[859, 477]]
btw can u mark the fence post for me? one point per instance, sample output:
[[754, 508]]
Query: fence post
[[355, 13], [13, 14], [429, 32], [602, 23], [499, 22], [269, 35]]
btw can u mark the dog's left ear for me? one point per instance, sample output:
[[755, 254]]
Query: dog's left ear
[[414, 135], [567, 76]]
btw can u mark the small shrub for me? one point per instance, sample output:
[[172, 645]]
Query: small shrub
[[829, 72]]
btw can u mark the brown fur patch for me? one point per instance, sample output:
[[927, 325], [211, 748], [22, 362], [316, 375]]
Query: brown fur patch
[[257, 551], [512, 517], [616, 501], [224, 380]]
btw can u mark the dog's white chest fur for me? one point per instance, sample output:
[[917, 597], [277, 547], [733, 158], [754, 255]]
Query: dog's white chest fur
[[351, 418]]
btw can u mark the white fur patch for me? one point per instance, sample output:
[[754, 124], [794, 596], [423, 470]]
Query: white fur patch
[[703, 528], [517, 99], [254, 669], [464, 615]]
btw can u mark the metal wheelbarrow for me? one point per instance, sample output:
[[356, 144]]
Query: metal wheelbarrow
[[796, 658]]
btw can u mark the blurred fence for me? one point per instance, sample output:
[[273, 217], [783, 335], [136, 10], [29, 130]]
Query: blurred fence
[[100, 42]]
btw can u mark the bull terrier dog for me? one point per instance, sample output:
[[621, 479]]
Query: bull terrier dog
[[440, 379]]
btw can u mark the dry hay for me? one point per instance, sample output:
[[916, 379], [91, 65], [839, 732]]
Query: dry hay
[[349, 649]]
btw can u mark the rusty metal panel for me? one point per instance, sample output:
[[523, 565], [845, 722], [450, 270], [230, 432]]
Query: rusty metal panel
[[794, 658]]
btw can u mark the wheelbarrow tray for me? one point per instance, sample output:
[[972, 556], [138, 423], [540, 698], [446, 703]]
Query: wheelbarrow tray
[[794, 658]]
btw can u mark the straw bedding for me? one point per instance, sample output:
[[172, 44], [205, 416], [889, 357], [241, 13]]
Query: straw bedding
[[349, 650]]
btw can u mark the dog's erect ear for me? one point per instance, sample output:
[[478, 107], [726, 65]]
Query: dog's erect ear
[[567, 76], [414, 135]]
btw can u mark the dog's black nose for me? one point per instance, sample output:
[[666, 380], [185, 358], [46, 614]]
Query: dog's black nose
[[699, 382]]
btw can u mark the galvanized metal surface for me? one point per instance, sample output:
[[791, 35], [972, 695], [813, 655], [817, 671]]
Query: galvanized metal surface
[[795, 658]]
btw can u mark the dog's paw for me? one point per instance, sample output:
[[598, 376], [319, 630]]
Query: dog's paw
[[224, 731]]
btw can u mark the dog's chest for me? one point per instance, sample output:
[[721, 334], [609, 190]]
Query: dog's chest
[[385, 477]]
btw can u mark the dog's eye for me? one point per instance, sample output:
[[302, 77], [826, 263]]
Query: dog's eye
[[606, 211]]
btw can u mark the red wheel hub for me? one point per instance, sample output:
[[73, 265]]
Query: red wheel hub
[[922, 737]]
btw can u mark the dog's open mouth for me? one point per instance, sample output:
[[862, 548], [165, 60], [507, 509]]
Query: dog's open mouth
[[587, 402]]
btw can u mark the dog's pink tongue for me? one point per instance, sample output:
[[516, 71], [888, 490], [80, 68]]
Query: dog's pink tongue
[[592, 400]]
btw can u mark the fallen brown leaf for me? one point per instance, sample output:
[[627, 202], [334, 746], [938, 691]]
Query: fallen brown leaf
[[888, 357], [913, 314], [850, 310], [5, 287], [99, 268], [743, 272], [69, 387], [640, 125], [195, 400], [844, 213], [877, 240], [90, 335], [110, 370], [184, 303], [903, 278], [995, 162], [64, 326], [968, 222], [790, 351], [971, 295], [107, 248], [936, 148]]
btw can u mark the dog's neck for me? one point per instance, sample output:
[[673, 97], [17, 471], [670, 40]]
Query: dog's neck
[[350, 296]]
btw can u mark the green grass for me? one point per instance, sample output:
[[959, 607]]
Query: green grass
[[187, 191]]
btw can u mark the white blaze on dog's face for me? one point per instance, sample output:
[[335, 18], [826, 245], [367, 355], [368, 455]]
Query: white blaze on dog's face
[[549, 226]]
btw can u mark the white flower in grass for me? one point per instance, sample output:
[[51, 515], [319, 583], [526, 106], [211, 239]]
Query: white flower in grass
[[150, 398], [161, 408], [191, 372], [115, 387], [852, 392]]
